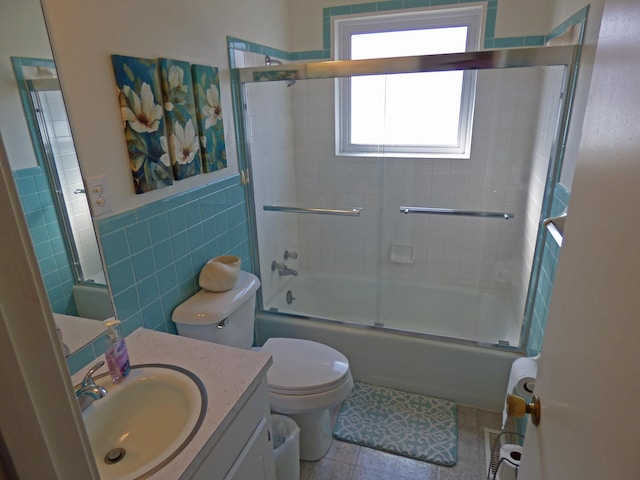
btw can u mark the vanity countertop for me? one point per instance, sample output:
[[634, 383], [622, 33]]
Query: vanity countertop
[[229, 374], [78, 331]]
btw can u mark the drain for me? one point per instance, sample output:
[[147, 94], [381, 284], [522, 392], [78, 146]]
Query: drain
[[114, 456]]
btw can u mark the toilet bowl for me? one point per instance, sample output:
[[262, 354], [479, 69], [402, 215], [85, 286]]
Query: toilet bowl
[[306, 378]]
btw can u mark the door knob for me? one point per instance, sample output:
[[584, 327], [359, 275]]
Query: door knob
[[519, 407]]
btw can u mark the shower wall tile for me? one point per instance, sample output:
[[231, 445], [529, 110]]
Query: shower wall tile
[[70, 177], [544, 289], [493, 179], [545, 128]]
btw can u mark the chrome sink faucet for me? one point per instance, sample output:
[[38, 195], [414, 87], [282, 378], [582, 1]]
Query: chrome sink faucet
[[89, 391], [282, 269]]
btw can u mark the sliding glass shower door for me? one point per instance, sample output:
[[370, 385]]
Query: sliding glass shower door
[[432, 245]]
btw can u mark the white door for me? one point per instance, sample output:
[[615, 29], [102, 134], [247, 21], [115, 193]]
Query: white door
[[589, 376]]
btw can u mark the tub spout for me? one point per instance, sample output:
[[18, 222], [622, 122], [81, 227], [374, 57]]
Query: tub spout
[[287, 271], [282, 269]]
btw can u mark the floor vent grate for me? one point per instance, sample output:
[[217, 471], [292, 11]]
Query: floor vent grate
[[492, 452]]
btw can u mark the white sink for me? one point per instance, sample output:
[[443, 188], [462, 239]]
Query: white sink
[[145, 421]]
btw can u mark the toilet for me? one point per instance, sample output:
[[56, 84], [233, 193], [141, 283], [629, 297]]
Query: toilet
[[306, 378]]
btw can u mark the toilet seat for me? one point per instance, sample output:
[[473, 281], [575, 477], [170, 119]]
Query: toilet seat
[[305, 380], [303, 367]]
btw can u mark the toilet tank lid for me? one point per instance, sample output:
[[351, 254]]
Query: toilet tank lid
[[206, 307]]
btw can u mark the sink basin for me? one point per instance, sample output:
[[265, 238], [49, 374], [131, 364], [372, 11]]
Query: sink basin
[[145, 421]]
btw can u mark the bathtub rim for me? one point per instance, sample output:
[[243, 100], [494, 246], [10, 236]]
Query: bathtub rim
[[405, 333], [260, 303]]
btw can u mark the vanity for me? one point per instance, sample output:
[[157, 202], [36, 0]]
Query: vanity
[[234, 440]]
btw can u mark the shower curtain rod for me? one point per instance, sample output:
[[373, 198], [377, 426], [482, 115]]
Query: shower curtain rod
[[482, 60]]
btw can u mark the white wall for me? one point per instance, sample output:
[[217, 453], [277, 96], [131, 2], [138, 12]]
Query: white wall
[[85, 35], [22, 34]]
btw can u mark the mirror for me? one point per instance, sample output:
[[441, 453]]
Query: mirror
[[42, 156]]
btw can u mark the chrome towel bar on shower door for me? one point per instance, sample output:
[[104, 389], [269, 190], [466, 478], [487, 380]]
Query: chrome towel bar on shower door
[[352, 212], [462, 213], [555, 226]]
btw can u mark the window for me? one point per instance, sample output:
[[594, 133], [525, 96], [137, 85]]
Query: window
[[413, 115]]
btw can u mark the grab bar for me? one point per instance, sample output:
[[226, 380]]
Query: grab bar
[[462, 213], [353, 212], [555, 226]]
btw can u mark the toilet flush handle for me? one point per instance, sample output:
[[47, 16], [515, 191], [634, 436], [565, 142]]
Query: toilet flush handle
[[223, 323]]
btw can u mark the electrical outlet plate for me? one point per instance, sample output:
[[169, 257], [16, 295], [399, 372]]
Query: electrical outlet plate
[[99, 195]]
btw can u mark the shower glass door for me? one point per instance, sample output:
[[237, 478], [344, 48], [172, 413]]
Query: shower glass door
[[62, 167], [458, 234], [427, 245], [316, 215]]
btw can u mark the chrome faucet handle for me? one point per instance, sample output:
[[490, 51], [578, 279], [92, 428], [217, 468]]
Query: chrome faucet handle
[[87, 395], [88, 378], [288, 255], [95, 392]]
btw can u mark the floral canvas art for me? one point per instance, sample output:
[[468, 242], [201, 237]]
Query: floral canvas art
[[143, 120], [180, 115], [209, 113]]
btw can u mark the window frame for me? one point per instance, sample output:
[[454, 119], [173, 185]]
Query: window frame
[[472, 17]]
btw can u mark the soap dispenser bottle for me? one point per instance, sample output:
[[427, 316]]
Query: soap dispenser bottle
[[115, 351]]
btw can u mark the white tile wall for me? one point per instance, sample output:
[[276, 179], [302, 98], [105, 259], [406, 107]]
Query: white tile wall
[[270, 132], [460, 251], [71, 179]]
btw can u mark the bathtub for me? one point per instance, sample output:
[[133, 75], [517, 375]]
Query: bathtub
[[445, 352]]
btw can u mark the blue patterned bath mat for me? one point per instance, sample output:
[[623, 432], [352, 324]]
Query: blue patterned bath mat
[[407, 424]]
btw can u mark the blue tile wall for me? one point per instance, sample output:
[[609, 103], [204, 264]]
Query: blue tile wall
[[154, 254], [46, 234], [547, 275]]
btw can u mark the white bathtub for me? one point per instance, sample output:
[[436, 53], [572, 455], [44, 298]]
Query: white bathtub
[[465, 373]]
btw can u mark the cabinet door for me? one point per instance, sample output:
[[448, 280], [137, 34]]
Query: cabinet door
[[256, 461]]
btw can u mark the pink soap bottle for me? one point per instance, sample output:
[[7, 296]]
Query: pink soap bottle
[[115, 351]]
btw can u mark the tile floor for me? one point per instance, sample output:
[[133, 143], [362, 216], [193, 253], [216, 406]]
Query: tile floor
[[346, 461]]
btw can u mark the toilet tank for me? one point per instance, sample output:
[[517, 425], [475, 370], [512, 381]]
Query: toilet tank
[[220, 317]]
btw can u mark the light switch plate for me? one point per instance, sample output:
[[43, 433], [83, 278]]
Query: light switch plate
[[99, 195]]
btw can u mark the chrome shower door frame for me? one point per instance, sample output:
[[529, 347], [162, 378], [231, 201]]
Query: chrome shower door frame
[[565, 55]]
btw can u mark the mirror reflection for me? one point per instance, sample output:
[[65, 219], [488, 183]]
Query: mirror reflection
[[43, 160]]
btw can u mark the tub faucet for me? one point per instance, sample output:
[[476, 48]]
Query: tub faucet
[[282, 269], [89, 391]]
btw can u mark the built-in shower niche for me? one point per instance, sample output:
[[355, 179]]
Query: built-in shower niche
[[480, 252]]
